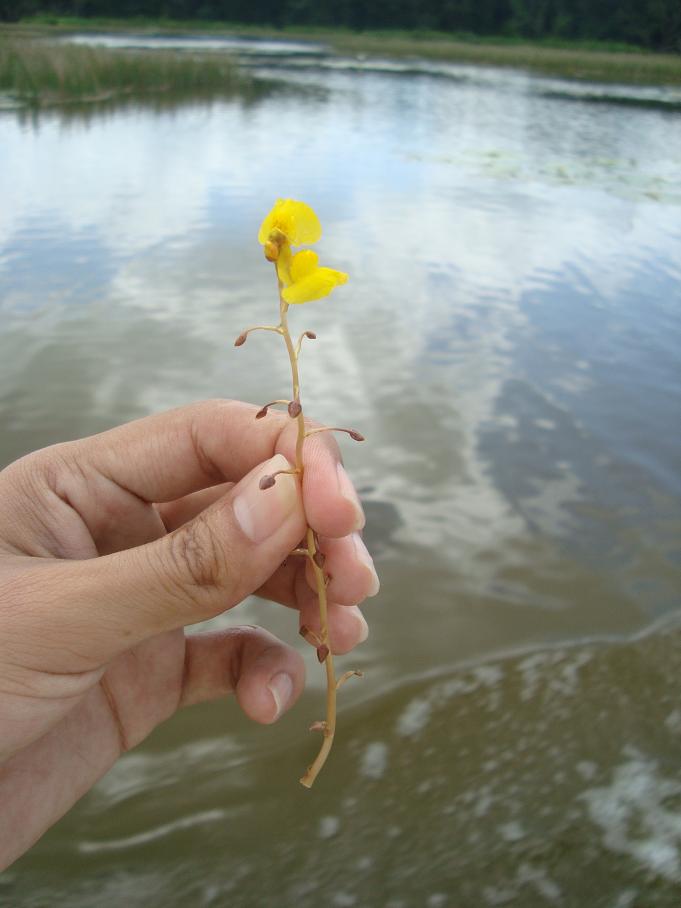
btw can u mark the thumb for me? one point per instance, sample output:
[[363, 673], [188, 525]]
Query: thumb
[[206, 566]]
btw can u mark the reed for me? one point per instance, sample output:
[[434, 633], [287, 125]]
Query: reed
[[48, 72]]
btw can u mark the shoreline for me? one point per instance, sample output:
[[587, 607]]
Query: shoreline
[[574, 61]]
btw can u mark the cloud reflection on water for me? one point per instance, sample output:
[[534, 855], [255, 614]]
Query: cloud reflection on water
[[492, 313]]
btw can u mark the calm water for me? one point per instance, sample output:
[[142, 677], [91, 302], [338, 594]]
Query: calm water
[[510, 345]]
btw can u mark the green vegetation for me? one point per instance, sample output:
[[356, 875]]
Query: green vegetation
[[565, 62], [575, 60], [41, 72]]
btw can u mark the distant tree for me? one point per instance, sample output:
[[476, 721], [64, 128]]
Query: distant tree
[[655, 24], [13, 10]]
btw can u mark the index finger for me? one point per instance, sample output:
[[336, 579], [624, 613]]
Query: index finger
[[163, 457]]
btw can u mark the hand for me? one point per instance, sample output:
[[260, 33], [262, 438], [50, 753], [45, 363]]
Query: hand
[[110, 546]]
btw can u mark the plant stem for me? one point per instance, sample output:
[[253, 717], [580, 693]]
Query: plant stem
[[329, 727]]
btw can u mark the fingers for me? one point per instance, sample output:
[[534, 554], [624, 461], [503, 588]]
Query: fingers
[[103, 489], [347, 626], [41, 782], [100, 606], [266, 675], [182, 510], [289, 586], [350, 567], [348, 564], [165, 457], [331, 502], [166, 468]]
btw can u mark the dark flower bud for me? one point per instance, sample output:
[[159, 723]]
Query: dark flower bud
[[294, 409], [241, 339], [355, 435], [322, 652], [311, 335], [261, 413], [267, 482]]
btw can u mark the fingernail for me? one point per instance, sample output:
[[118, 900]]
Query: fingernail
[[260, 512], [365, 558], [281, 688], [347, 491], [363, 631]]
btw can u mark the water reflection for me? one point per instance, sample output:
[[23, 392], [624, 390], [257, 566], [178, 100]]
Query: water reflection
[[509, 344], [87, 112]]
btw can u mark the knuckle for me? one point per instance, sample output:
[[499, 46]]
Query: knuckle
[[198, 560]]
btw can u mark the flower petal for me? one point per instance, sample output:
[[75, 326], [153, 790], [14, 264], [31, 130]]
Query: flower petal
[[296, 220], [303, 264], [314, 286]]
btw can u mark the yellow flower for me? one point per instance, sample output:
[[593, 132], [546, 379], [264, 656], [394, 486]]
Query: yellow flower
[[309, 281], [291, 222]]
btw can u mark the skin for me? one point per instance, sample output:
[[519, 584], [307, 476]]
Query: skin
[[109, 547]]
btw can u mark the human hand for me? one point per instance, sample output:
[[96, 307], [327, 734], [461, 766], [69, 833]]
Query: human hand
[[111, 545]]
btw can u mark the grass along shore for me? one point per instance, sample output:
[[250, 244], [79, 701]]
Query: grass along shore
[[43, 73], [573, 60]]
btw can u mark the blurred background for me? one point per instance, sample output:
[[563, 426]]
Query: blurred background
[[509, 343]]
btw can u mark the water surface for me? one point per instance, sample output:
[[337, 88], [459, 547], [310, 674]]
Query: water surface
[[509, 344]]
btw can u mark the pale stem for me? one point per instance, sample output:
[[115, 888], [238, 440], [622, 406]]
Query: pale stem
[[351, 432], [293, 359], [353, 673], [299, 344], [265, 407], [275, 328], [329, 727]]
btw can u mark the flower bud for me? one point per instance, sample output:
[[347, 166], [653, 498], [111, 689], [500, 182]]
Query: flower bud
[[267, 482], [311, 335], [241, 339], [322, 652], [261, 413], [319, 559], [273, 244], [294, 409], [271, 251], [355, 435]]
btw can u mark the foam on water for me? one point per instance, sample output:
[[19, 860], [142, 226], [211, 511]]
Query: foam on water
[[414, 718], [374, 760], [329, 827], [159, 832], [636, 815]]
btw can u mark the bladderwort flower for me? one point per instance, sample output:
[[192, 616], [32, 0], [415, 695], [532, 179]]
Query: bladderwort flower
[[300, 280], [293, 223]]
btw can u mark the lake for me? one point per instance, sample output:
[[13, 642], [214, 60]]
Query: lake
[[509, 342]]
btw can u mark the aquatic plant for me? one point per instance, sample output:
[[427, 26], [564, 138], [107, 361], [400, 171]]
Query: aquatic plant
[[48, 72], [301, 280]]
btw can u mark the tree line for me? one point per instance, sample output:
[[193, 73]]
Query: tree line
[[654, 24]]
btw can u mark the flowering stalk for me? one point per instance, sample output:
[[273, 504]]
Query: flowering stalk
[[300, 280]]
